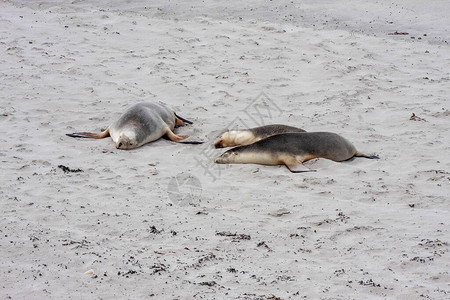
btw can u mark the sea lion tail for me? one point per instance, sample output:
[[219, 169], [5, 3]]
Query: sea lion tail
[[101, 135], [359, 154], [183, 120]]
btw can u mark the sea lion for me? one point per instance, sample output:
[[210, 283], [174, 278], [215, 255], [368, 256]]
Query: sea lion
[[249, 136], [292, 150], [141, 123]]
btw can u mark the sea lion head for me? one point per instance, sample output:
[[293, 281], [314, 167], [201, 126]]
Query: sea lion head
[[228, 157], [248, 154], [225, 140], [126, 142], [234, 138]]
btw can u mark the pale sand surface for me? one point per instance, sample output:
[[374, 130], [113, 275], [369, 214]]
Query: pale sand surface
[[363, 229]]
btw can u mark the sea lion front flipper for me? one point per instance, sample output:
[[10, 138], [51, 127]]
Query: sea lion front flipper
[[180, 121], [359, 154], [298, 168], [173, 137], [192, 142], [89, 134]]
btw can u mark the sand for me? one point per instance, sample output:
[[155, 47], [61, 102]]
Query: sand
[[163, 221]]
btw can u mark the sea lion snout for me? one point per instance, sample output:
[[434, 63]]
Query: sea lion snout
[[219, 144], [224, 141], [221, 159], [226, 157], [125, 143]]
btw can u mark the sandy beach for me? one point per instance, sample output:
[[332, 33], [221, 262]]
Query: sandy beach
[[81, 219]]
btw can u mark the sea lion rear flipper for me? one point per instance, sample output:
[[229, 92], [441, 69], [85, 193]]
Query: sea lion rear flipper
[[298, 168], [89, 134], [173, 137], [179, 121]]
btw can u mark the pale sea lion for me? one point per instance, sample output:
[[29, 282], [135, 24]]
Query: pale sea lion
[[141, 123], [249, 136], [292, 150]]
